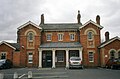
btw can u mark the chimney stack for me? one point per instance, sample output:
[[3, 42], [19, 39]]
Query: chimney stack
[[42, 19], [98, 19], [78, 17], [106, 36]]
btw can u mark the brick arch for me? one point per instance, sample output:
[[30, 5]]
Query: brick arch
[[118, 52], [30, 30], [111, 51], [90, 29]]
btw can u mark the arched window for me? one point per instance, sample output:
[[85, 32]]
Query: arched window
[[112, 54], [30, 36], [119, 54], [90, 35]]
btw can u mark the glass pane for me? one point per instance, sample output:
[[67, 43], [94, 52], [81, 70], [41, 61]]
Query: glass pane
[[89, 35]]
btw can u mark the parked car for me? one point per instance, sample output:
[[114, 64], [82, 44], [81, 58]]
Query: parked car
[[113, 63], [5, 64], [75, 62]]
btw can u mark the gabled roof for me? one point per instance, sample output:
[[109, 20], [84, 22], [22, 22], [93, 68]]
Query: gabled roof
[[90, 21], [61, 45], [109, 41], [29, 22], [62, 26], [3, 42], [15, 46]]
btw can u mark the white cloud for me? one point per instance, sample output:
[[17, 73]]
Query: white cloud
[[16, 12]]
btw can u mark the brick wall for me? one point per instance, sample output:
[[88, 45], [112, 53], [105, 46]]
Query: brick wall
[[84, 41], [24, 49], [16, 59], [105, 51], [8, 50], [66, 37]]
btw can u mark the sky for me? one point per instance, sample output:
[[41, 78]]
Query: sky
[[14, 13]]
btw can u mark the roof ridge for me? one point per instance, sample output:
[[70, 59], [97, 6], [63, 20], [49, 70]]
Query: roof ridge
[[109, 41]]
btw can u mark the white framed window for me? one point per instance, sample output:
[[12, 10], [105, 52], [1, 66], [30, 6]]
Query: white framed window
[[91, 57], [112, 54], [3, 55], [90, 35], [60, 36], [30, 36], [49, 37], [30, 57], [72, 36]]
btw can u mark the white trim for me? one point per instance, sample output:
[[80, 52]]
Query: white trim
[[90, 30], [30, 56], [30, 30], [53, 58], [61, 37], [67, 58], [110, 41], [115, 53], [74, 35], [40, 58], [90, 21], [3, 53], [3, 42], [29, 22], [47, 37], [93, 52], [118, 50]]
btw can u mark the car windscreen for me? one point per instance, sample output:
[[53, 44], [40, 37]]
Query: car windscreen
[[75, 59]]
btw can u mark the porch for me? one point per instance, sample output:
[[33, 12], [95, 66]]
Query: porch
[[58, 56]]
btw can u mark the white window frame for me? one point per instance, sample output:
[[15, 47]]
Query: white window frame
[[60, 36], [90, 36], [5, 53], [29, 39], [30, 57], [48, 36], [72, 36], [91, 56], [112, 54]]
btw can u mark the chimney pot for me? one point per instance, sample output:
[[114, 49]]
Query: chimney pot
[[98, 19], [106, 36], [42, 19], [78, 17]]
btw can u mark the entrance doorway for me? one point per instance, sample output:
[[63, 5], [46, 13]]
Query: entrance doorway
[[46, 59], [60, 58]]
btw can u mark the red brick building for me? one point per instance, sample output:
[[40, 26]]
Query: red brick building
[[51, 45], [109, 49]]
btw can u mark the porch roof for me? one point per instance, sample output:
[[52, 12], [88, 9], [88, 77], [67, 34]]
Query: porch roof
[[61, 45]]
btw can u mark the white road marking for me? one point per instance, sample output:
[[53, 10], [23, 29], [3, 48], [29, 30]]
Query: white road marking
[[21, 76], [42, 77]]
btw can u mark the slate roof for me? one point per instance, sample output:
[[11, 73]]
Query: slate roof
[[109, 41], [61, 45], [90, 21], [62, 26], [15, 45]]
